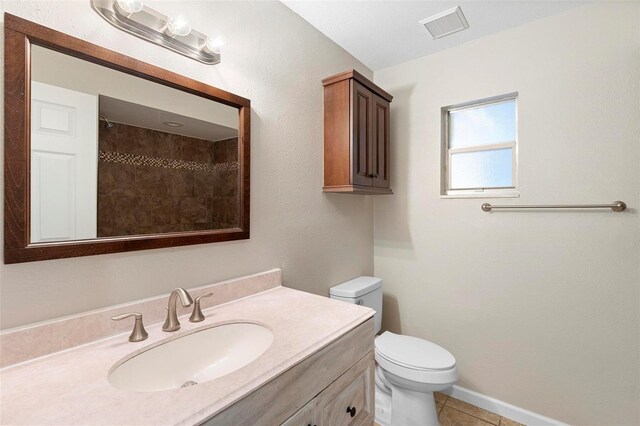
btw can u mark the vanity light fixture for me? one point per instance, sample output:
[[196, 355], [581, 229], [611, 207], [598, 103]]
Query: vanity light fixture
[[173, 32], [129, 7], [177, 26], [214, 45]]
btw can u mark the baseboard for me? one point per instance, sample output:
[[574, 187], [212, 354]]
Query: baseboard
[[501, 408]]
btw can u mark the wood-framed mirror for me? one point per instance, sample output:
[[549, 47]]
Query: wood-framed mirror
[[105, 153]]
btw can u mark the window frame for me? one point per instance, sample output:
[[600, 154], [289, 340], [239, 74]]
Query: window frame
[[446, 152]]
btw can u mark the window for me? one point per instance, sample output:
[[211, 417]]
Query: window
[[480, 148]]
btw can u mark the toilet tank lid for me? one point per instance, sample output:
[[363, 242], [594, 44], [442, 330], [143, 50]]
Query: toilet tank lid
[[356, 287]]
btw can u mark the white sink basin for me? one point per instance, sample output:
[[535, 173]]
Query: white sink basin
[[194, 358]]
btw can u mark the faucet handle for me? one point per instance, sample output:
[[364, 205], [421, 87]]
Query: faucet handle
[[139, 333], [196, 315]]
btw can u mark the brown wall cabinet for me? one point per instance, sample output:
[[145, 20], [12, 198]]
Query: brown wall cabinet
[[356, 135]]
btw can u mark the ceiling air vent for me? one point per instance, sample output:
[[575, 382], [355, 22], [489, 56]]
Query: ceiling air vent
[[445, 23]]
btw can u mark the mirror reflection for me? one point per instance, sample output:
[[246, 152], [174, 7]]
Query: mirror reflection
[[115, 155]]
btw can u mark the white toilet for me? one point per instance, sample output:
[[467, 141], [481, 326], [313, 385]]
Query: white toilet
[[408, 369]]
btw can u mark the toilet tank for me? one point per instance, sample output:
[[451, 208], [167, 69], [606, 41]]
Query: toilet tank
[[365, 291]]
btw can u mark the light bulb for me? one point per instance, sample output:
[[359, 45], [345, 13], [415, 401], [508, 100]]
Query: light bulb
[[129, 7], [178, 26], [214, 45]]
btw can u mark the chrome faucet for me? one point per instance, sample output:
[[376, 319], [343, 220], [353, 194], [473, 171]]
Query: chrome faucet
[[172, 323]]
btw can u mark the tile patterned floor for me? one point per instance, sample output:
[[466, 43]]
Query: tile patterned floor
[[453, 412]]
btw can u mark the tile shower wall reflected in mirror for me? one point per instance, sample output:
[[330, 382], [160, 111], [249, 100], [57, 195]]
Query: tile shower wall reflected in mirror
[[154, 182], [115, 155]]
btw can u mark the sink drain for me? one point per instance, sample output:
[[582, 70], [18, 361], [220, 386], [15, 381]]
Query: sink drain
[[189, 383]]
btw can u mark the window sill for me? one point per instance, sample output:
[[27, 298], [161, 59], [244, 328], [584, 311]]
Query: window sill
[[500, 194]]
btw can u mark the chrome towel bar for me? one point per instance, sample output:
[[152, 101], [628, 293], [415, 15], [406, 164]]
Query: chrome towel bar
[[616, 206]]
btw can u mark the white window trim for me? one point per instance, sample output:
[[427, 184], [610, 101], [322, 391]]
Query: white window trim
[[446, 152]]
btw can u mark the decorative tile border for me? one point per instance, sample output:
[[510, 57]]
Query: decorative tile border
[[167, 163], [35, 340]]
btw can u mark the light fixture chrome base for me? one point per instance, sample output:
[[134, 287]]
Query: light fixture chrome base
[[151, 25]]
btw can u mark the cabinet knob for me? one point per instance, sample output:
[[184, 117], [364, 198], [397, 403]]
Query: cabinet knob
[[351, 411]]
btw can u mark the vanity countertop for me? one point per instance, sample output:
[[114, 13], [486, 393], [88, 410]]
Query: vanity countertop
[[71, 387]]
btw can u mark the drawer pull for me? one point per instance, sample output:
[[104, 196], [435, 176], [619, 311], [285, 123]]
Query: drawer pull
[[351, 411]]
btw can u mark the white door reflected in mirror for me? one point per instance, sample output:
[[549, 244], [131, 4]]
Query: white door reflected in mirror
[[64, 164]]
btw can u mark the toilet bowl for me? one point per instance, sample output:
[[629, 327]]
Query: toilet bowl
[[409, 369]]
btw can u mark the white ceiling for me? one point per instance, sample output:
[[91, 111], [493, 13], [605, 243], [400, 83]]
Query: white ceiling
[[385, 33], [119, 111]]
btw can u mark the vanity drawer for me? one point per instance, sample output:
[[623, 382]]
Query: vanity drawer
[[348, 400], [302, 417]]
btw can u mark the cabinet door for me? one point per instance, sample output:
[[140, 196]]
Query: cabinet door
[[362, 101], [380, 143], [349, 400], [302, 417]]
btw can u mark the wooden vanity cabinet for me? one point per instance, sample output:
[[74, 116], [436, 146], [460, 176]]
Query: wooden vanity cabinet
[[317, 391], [356, 135], [346, 402]]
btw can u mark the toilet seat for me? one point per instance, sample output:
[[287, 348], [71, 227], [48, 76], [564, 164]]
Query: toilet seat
[[413, 352], [415, 359]]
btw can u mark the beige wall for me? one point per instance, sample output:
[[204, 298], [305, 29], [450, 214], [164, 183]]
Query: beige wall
[[275, 59], [541, 309]]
